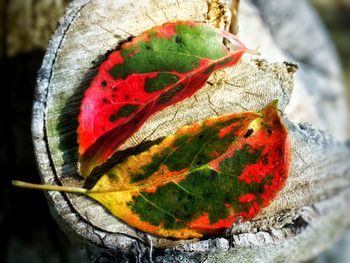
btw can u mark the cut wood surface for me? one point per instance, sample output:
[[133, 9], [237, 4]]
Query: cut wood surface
[[308, 214]]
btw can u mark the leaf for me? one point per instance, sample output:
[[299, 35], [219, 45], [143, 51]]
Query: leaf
[[200, 180], [159, 68]]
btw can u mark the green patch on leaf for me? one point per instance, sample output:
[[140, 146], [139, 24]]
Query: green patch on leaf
[[123, 112], [166, 97], [210, 69], [161, 81]]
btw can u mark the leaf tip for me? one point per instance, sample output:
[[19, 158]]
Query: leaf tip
[[274, 103]]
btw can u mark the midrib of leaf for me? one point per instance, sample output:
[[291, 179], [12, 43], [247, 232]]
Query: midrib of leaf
[[141, 187], [186, 76], [191, 55], [137, 188]]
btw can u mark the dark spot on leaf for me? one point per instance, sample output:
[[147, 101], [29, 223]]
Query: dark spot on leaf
[[248, 133], [104, 84], [178, 39], [199, 162]]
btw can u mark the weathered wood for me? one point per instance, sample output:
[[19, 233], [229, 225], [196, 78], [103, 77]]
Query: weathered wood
[[317, 190]]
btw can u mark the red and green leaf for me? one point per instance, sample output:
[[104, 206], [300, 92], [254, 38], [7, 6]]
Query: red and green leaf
[[200, 180], [159, 68]]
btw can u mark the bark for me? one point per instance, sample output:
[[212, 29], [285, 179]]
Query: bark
[[308, 214]]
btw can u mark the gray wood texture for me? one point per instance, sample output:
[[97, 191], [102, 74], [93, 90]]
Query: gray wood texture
[[308, 214]]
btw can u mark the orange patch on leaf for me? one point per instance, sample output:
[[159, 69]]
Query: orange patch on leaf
[[135, 221], [203, 224], [225, 131]]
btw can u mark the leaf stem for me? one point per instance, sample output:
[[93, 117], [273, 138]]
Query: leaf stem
[[67, 189]]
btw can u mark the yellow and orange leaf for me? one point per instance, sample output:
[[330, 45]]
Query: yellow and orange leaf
[[201, 179]]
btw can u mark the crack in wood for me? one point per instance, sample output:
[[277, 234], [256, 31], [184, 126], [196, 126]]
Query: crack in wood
[[239, 105], [118, 28], [150, 18]]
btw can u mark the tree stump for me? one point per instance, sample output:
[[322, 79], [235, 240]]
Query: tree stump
[[308, 214]]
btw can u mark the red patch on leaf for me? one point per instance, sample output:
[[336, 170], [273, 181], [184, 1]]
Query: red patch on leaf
[[254, 173], [166, 31], [271, 141]]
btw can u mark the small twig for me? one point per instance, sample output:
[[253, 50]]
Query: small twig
[[231, 84]]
